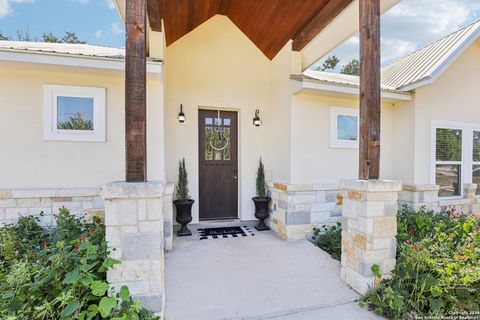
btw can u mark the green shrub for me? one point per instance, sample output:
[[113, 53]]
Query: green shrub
[[260, 182], [438, 267], [60, 273], [329, 239]]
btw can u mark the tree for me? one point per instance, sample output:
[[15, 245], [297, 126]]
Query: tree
[[71, 37], [4, 37], [25, 36], [76, 123], [329, 64], [49, 37], [352, 68]]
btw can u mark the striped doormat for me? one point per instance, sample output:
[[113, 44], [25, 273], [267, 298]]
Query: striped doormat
[[225, 232]]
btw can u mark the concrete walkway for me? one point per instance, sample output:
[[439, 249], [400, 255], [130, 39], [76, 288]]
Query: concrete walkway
[[259, 277]]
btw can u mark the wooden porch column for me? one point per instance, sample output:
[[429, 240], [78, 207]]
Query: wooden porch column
[[369, 167], [135, 92]]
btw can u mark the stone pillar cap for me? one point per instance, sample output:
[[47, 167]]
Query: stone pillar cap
[[371, 185], [129, 190]]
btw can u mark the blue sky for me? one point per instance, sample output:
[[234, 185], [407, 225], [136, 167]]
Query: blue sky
[[95, 21], [406, 27], [412, 24]]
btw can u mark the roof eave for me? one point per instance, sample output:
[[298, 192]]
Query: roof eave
[[303, 84], [73, 60]]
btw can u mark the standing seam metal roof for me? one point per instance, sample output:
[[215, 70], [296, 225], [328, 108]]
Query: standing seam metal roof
[[425, 63]]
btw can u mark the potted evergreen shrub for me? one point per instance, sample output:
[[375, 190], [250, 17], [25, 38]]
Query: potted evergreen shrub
[[183, 203], [261, 201]]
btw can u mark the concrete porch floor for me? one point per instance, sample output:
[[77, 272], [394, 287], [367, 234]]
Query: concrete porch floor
[[259, 277]]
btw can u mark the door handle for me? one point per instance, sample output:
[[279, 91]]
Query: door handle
[[235, 177]]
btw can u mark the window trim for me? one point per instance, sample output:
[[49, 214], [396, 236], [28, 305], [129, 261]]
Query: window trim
[[342, 111], [50, 130], [467, 152]]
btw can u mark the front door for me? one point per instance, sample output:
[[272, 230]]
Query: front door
[[218, 164]]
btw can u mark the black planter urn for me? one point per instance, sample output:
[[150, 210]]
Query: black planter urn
[[184, 216], [261, 212]]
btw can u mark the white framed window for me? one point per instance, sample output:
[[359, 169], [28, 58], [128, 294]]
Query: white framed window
[[476, 158], [73, 113], [344, 128], [455, 156]]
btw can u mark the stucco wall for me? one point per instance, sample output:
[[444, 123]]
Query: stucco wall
[[453, 97], [28, 161], [404, 141], [217, 66], [313, 161]]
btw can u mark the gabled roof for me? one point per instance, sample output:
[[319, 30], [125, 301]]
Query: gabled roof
[[63, 48], [423, 66], [269, 24]]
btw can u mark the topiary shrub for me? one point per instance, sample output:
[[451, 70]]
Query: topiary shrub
[[261, 183]]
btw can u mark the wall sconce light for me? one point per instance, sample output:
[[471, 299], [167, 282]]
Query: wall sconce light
[[256, 120], [181, 116]]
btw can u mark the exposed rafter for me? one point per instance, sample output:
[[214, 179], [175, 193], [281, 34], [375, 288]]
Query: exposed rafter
[[319, 22], [154, 15], [224, 7]]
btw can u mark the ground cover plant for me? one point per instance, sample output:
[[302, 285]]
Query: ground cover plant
[[329, 239], [438, 268], [60, 273]]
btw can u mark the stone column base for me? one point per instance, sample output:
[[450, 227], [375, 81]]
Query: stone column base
[[369, 227], [134, 232]]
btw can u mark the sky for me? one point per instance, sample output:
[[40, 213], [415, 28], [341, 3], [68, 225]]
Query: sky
[[412, 24], [94, 21], [409, 25]]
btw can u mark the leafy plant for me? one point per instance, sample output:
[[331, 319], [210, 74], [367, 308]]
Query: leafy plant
[[182, 184], [76, 123], [60, 273], [261, 183], [329, 239], [437, 271]]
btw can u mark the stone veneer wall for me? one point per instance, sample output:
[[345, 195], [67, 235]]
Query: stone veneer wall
[[417, 196], [43, 203], [296, 209], [134, 232]]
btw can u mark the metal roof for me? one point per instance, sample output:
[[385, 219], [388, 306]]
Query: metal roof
[[337, 78], [63, 48], [425, 65]]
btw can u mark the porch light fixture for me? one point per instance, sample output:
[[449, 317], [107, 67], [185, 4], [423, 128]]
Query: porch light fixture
[[256, 120], [181, 116]]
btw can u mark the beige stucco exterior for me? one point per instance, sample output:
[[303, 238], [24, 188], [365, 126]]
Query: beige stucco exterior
[[313, 160], [217, 67], [28, 161], [453, 96]]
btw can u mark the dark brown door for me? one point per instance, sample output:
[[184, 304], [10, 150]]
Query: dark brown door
[[218, 164]]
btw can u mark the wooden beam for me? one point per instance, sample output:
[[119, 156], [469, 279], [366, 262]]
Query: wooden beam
[[323, 18], [154, 14], [224, 4], [369, 167], [135, 91]]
